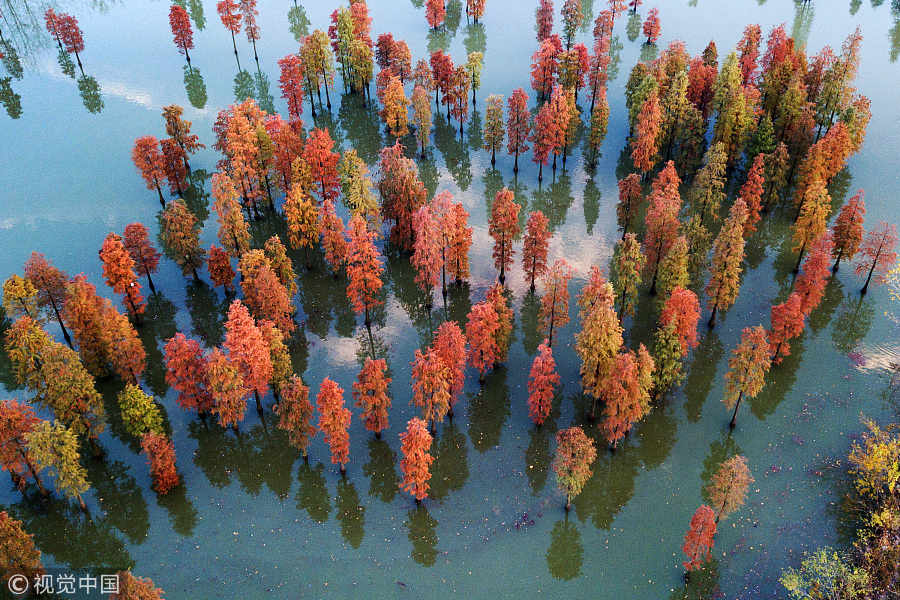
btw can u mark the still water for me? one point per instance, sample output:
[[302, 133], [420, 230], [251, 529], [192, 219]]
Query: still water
[[251, 518]]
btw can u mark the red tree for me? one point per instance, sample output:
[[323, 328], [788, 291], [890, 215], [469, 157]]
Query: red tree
[[644, 146], [16, 422], [630, 199], [143, 253], [226, 388], [248, 350], [682, 308], [50, 283], [811, 282], [554, 311], [504, 228], [231, 18], [545, 65], [877, 253], [651, 25], [160, 453], [450, 345], [547, 136], [788, 322], [435, 11], [627, 392], [363, 269], [752, 191], [295, 414], [481, 332], [431, 386], [322, 160], [334, 420], [174, 160], [544, 18], [699, 539], [333, 242], [415, 443], [186, 373], [542, 383], [661, 218], [150, 162], [847, 232], [266, 295], [535, 246], [518, 125], [180, 23], [370, 393], [118, 269], [291, 83], [219, 265]]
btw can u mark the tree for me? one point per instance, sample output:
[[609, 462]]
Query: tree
[[322, 161], [544, 19], [575, 453], [160, 453], [20, 555], [475, 8], [535, 246], [20, 298], [630, 200], [431, 386], [363, 269], [334, 420], [421, 104], [699, 539], [219, 266], [333, 241], [847, 232], [752, 191], [180, 235], [708, 190], [137, 588], [291, 81], [626, 389], [173, 165], [518, 124], [545, 66], [370, 393], [402, 193], [118, 270], [186, 373], [415, 444], [459, 239], [481, 332], [497, 298], [396, 106], [249, 13], [473, 67], [542, 383], [56, 447], [234, 232], [458, 93], [180, 23], [144, 255], [627, 265], [281, 263], [682, 309], [651, 26], [226, 388], [149, 161], [248, 350], [504, 228], [788, 322], [548, 135], [747, 369], [554, 311], [494, 133], [599, 124], [180, 131], [661, 219], [728, 487], [667, 355], [140, 413], [827, 573], [302, 216], [877, 253], [279, 355], [813, 218], [728, 256], [295, 414], [428, 250], [50, 283], [17, 420], [264, 293], [125, 351], [673, 269], [230, 16], [435, 11], [356, 187], [450, 345]]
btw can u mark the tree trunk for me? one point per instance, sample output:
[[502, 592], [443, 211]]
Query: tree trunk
[[234, 45], [737, 405], [60, 321], [162, 201], [712, 319]]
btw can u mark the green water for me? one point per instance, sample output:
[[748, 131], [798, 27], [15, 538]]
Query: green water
[[254, 521]]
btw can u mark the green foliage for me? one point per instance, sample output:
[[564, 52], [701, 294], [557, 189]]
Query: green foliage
[[56, 447], [139, 412], [826, 575], [667, 356]]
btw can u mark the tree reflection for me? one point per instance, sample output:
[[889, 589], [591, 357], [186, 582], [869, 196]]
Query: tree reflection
[[657, 434], [779, 382], [438, 39], [633, 28], [183, 514], [66, 65], [611, 486], [615, 58], [720, 450], [89, 89], [263, 93], [529, 316], [207, 313], [821, 316], [195, 8], [475, 38], [459, 303], [313, 493], [12, 102], [298, 22], [422, 535], [10, 59], [274, 459], [566, 552], [450, 469], [704, 584], [194, 87], [591, 204], [244, 86], [804, 11], [350, 513], [453, 16], [475, 139], [852, 324], [159, 326], [555, 201], [488, 410], [456, 155], [381, 471], [401, 274], [120, 498], [702, 374], [538, 454], [362, 127]]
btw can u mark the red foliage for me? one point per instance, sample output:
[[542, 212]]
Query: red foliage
[[402, 193], [748, 48], [334, 420], [813, 278], [535, 246], [70, 33], [16, 422], [504, 227], [518, 125], [118, 269], [788, 322], [370, 393], [450, 345], [662, 216], [554, 311], [644, 146], [848, 229], [227, 388], [651, 25], [542, 383], [295, 413], [630, 200], [229, 15], [435, 11], [544, 18], [150, 162], [291, 83], [752, 191], [547, 136], [143, 253], [219, 265], [160, 453], [363, 268], [626, 390], [699, 539], [186, 373], [415, 443], [683, 308], [333, 242], [180, 23], [545, 65], [268, 297], [442, 72], [173, 164], [322, 160], [249, 13], [459, 239], [877, 253], [431, 386], [481, 332], [247, 348], [701, 77]]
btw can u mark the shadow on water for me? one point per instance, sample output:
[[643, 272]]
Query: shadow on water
[[720, 450], [455, 153], [159, 326], [702, 374], [183, 515], [475, 39], [361, 126], [422, 535], [853, 321], [120, 498], [529, 316], [382, 473], [591, 204], [779, 382], [207, 313], [450, 469], [538, 455], [565, 556], [488, 410], [313, 493], [195, 87], [657, 436], [612, 485], [350, 513]]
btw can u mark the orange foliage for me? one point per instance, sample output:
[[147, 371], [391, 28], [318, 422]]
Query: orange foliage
[[504, 228], [334, 420], [481, 332], [431, 379], [542, 383], [118, 269], [415, 443], [370, 393], [535, 246], [160, 453], [186, 373], [699, 539], [683, 308]]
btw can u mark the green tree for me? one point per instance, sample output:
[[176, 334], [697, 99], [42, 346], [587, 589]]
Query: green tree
[[140, 413], [56, 447]]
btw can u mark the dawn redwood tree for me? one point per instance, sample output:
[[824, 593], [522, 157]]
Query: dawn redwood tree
[[575, 453], [229, 14], [747, 369], [402, 193], [699, 539], [503, 226], [173, 164], [281, 263], [544, 19], [180, 131], [456, 229], [810, 284], [422, 118], [442, 74], [126, 355], [318, 153], [334, 421], [144, 255], [334, 244], [17, 547], [728, 487], [545, 66], [17, 420], [295, 414], [626, 390], [876, 254], [186, 373], [53, 446], [395, 108], [248, 350], [429, 254], [302, 217], [249, 14], [136, 588], [431, 386], [160, 453], [415, 444], [180, 235], [645, 145], [542, 383], [518, 125], [630, 200], [279, 355], [356, 186], [627, 266], [847, 232], [668, 359], [149, 161], [547, 136], [788, 322], [475, 8], [183, 35], [535, 246], [752, 191], [264, 293], [140, 413], [226, 388], [727, 260], [20, 298], [661, 219], [497, 298], [370, 393], [813, 219], [599, 341], [364, 269], [291, 82], [482, 328], [450, 345], [118, 270], [673, 269], [494, 132], [435, 12], [651, 26], [554, 312]]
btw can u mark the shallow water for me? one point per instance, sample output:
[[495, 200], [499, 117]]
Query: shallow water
[[252, 519]]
